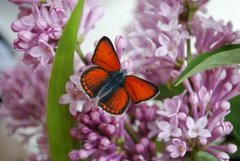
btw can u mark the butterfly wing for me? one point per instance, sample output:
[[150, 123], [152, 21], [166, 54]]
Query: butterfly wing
[[115, 102], [138, 89], [93, 79], [105, 55]]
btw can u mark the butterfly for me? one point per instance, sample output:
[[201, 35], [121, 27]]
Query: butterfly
[[114, 88]]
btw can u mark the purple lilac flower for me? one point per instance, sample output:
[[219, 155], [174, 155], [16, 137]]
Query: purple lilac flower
[[210, 34], [194, 126], [199, 113], [23, 106], [157, 39], [194, 119], [39, 27], [105, 137]]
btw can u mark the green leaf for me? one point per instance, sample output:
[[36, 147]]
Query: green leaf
[[168, 92], [233, 116], [226, 55], [59, 120], [203, 156]]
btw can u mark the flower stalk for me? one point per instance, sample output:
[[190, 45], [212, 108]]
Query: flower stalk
[[131, 132], [80, 54], [189, 19]]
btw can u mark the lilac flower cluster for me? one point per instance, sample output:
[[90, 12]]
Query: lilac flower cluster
[[23, 105], [162, 47], [106, 137], [40, 26], [194, 120]]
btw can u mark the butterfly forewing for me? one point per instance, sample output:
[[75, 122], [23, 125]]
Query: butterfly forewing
[[138, 89], [115, 102], [93, 79], [105, 55]]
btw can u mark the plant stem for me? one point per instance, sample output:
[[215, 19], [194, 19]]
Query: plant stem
[[80, 53], [131, 132], [189, 18], [42, 1], [194, 155]]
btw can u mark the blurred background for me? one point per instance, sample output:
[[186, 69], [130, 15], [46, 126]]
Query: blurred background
[[117, 15]]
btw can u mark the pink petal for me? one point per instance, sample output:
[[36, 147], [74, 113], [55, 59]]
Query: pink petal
[[171, 148], [165, 126], [192, 134], [65, 99], [177, 132], [163, 27], [190, 123], [173, 54], [165, 9], [176, 141], [175, 41], [70, 88], [202, 122], [28, 20], [172, 106], [164, 135], [174, 121], [44, 60], [161, 51], [164, 40], [75, 79], [36, 51], [73, 108], [204, 133]]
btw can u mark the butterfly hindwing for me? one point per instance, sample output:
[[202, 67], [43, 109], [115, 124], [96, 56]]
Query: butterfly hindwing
[[115, 102], [105, 55], [138, 89], [93, 79]]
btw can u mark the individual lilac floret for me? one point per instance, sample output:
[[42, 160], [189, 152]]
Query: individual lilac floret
[[75, 97], [198, 128], [23, 107], [178, 148], [40, 25]]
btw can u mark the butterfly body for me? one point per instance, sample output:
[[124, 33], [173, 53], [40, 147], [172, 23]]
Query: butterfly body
[[115, 80], [114, 88]]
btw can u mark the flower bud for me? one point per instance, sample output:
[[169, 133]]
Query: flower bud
[[121, 44]]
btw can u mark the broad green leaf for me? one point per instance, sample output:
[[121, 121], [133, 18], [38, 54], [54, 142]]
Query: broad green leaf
[[59, 120], [226, 55], [203, 156], [168, 92], [234, 115]]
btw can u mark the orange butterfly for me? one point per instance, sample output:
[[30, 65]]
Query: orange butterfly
[[110, 84]]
